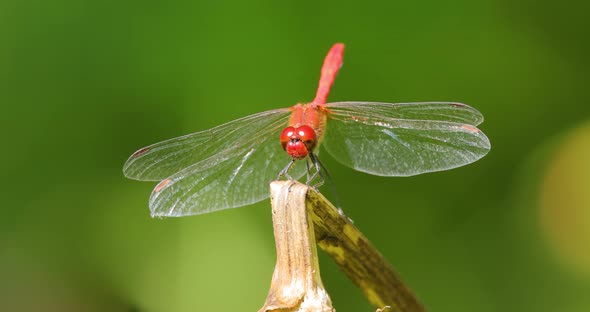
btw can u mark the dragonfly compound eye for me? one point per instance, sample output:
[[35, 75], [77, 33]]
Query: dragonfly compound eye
[[286, 136], [298, 142], [307, 135]]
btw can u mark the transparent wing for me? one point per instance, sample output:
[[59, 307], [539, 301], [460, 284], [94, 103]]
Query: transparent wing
[[163, 159], [404, 139], [227, 166]]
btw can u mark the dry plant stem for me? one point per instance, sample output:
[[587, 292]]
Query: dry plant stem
[[296, 283], [300, 216], [358, 258]]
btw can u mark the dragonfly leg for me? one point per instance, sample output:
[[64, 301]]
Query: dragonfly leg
[[318, 172], [325, 175], [307, 171], [285, 171]]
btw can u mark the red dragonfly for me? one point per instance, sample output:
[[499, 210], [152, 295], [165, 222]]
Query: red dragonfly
[[230, 166]]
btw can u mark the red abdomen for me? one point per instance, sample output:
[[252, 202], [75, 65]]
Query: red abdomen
[[308, 121]]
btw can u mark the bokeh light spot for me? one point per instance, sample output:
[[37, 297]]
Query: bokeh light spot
[[565, 199]]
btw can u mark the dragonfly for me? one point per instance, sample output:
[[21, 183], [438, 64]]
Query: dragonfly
[[230, 165]]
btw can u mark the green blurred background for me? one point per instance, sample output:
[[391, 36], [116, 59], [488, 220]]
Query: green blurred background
[[83, 84]]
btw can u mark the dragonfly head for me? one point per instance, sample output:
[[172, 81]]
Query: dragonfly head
[[298, 142]]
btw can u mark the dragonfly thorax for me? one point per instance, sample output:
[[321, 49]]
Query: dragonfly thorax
[[298, 142]]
